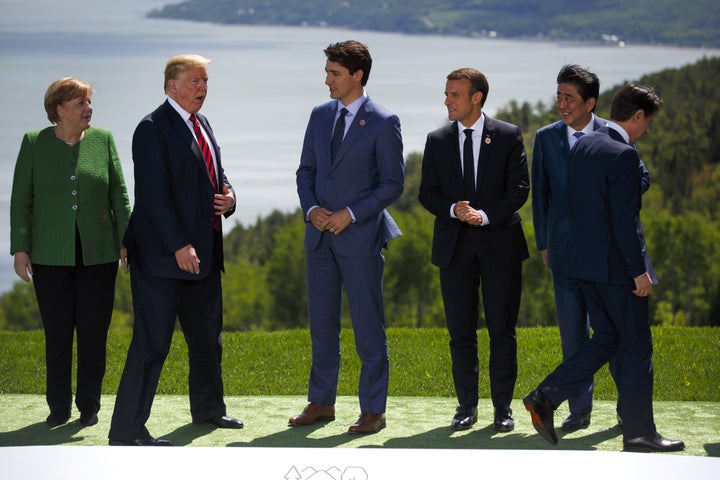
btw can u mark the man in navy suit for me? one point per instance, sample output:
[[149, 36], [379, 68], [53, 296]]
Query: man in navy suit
[[577, 93], [604, 250], [351, 169], [474, 180], [175, 250]]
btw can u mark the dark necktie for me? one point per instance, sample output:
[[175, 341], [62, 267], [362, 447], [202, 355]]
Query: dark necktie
[[577, 136], [468, 166], [338, 133], [207, 155]]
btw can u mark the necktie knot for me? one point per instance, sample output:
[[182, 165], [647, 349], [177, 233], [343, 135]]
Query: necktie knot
[[578, 134]]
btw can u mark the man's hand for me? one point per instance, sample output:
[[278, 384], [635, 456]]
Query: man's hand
[[319, 217], [224, 201], [187, 259], [339, 221], [465, 213], [643, 285]]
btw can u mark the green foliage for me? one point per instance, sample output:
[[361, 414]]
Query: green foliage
[[19, 308], [278, 363], [691, 23]]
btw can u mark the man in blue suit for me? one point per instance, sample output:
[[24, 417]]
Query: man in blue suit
[[351, 169], [604, 251], [175, 250], [577, 93], [474, 180]]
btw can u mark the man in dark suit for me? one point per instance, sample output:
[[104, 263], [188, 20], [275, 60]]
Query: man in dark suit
[[474, 179], [175, 249], [605, 252], [351, 169], [577, 93]]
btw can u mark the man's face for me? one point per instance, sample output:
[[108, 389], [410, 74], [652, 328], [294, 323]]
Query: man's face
[[639, 125], [462, 106], [574, 111], [189, 89], [343, 86]]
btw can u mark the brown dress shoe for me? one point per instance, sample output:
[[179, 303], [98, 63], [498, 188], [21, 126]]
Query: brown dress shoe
[[314, 412], [368, 423]]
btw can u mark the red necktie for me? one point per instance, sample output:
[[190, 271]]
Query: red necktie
[[207, 155]]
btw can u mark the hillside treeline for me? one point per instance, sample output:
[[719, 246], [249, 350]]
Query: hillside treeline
[[692, 23], [264, 284]]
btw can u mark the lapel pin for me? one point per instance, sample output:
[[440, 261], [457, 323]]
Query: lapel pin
[[362, 122], [488, 140]]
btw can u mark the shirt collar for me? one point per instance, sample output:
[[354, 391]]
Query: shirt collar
[[181, 111], [620, 130], [477, 127], [354, 107]]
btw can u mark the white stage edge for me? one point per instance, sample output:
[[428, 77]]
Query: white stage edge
[[218, 463]]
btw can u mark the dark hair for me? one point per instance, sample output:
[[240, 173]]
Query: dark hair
[[631, 98], [478, 81], [352, 55], [586, 82]]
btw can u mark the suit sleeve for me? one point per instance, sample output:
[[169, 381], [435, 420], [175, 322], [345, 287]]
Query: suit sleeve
[[517, 182], [624, 194], [431, 194], [390, 168], [540, 194], [307, 171], [152, 187]]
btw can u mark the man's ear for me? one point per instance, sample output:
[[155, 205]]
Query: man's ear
[[477, 97]]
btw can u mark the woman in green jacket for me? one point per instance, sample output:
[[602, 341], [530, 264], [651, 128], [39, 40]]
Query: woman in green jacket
[[68, 212]]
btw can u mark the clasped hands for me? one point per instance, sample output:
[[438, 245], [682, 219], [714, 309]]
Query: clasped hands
[[224, 201], [465, 213], [334, 222]]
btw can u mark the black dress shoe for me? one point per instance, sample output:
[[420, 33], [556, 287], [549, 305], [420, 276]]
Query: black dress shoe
[[88, 419], [225, 421], [541, 412], [575, 421], [141, 442], [503, 421], [652, 443], [56, 419], [465, 417]]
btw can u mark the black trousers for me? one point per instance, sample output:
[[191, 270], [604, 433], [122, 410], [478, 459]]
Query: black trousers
[[157, 303], [473, 267], [74, 300]]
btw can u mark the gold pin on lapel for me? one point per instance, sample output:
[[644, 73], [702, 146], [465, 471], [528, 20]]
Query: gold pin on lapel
[[362, 122], [488, 140]]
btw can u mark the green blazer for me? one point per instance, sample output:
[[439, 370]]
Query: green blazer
[[56, 187]]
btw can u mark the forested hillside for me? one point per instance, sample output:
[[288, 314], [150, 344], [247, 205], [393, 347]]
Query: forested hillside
[[264, 285], [693, 23]]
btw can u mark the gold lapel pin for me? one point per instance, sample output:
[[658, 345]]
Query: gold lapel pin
[[488, 140], [362, 122]]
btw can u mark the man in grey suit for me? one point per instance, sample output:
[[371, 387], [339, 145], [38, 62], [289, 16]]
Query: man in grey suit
[[604, 251], [351, 169]]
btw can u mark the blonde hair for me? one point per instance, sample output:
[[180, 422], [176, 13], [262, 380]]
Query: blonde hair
[[63, 90], [182, 63]]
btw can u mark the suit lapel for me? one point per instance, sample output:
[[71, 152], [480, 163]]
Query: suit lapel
[[183, 130], [363, 118], [486, 148]]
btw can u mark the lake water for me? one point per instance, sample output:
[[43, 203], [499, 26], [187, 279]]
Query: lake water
[[264, 82]]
